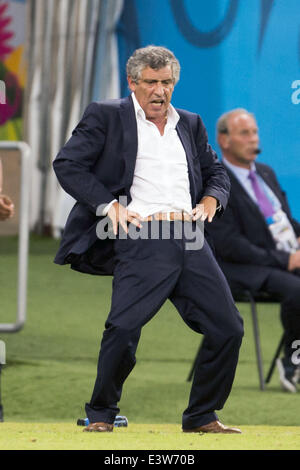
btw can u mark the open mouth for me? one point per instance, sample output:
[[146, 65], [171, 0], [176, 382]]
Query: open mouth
[[157, 103]]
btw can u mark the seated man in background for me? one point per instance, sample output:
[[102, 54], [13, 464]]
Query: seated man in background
[[6, 205], [257, 240]]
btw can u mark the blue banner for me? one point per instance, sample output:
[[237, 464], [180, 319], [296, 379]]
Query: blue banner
[[233, 53]]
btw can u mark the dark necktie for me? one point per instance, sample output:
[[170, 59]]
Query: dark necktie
[[263, 201]]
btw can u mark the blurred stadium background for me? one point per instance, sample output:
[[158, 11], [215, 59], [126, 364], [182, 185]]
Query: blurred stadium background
[[55, 57]]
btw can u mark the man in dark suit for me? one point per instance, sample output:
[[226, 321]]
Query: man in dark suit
[[257, 239], [157, 158]]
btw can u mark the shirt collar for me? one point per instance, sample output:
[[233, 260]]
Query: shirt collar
[[173, 116], [241, 173]]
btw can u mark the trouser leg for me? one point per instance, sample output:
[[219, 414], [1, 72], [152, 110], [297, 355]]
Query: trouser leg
[[286, 286], [116, 361], [147, 273], [204, 300], [144, 278]]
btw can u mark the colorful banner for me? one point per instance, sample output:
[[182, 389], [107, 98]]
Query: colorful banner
[[12, 68]]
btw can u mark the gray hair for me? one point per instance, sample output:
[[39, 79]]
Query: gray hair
[[155, 57], [222, 123]]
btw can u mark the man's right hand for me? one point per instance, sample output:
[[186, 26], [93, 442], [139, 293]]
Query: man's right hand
[[118, 214], [6, 207], [294, 261]]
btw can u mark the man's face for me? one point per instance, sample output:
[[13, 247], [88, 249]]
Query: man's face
[[242, 140], [154, 91]]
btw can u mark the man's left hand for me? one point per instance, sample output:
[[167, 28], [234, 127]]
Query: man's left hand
[[206, 209]]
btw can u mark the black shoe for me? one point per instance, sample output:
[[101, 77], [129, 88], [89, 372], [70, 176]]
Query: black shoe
[[288, 375]]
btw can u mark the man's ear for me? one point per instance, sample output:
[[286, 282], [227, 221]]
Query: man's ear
[[223, 140], [131, 84]]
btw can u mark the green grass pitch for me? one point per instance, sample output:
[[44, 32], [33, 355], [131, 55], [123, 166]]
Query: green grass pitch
[[51, 366]]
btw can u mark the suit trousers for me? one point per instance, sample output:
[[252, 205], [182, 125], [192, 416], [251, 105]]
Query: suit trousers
[[284, 286], [148, 272]]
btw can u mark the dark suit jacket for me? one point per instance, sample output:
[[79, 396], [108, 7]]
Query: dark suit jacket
[[97, 165], [241, 238]]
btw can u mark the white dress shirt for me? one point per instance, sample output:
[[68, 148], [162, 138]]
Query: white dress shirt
[[161, 181]]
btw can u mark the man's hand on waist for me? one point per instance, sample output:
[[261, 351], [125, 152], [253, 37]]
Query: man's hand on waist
[[206, 209], [118, 214]]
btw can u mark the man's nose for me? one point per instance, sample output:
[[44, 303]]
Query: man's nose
[[159, 89]]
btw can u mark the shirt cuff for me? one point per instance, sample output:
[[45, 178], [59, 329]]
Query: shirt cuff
[[219, 205], [106, 208]]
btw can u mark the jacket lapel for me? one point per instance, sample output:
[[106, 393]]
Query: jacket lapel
[[130, 144], [185, 138], [238, 190]]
